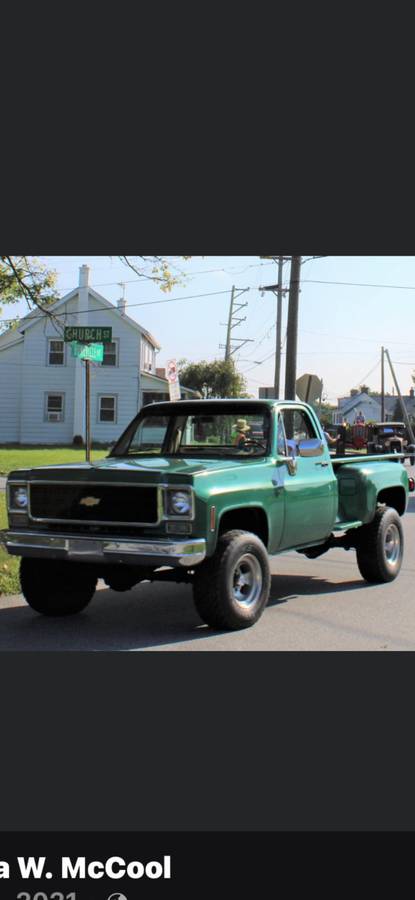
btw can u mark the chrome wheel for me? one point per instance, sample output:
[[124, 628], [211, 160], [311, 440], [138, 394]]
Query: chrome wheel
[[392, 545], [247, 581]]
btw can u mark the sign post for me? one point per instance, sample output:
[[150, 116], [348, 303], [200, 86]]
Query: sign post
[[87, 411], [87, 344]]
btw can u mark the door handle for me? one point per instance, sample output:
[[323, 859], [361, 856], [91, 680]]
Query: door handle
[[322, 464]]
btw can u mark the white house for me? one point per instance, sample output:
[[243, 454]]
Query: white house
[[370, 406], [349, 407], [42, 386]]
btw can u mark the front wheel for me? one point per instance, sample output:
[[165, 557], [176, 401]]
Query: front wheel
[[56, 588], [231, 588], [380, 547]]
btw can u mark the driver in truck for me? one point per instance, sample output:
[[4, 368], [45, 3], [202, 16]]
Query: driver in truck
[[239, 433]]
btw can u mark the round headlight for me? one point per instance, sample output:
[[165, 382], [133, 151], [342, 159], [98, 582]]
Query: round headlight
[[20, 498], [180, 503]]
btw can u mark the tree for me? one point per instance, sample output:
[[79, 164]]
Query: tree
[[213, 379], [24, 277]]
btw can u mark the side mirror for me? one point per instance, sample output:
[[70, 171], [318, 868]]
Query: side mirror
[[312, 447]]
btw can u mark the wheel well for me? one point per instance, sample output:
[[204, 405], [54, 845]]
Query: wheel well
[[394, 497], [248, 519]]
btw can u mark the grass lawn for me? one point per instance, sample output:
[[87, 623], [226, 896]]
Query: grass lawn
[[29, 457], [9, 565]]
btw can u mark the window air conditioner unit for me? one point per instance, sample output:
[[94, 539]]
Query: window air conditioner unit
[[54, 417]]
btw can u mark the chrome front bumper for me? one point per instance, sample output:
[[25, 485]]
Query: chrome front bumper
[[105, 550]]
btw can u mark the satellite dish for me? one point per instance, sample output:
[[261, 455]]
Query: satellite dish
[[309, 388]]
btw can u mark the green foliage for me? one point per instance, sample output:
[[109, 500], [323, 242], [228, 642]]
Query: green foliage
[[155, 268], [213, 379], [25, 278]]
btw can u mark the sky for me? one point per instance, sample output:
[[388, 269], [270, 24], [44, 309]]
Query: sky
[[341, 328]]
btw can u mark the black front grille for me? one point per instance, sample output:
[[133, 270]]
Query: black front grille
[[116, 503]]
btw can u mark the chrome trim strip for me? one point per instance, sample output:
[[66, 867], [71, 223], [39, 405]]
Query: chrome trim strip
[[188, 552]]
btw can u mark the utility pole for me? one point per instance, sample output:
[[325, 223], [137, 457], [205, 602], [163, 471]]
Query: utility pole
[[382, 389], [233, 321], [228, 333], [403, 407], [292, 329], [279, 291], [278, 330]]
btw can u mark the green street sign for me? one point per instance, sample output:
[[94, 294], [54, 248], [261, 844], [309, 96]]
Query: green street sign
[[95, 352], [88, 334]]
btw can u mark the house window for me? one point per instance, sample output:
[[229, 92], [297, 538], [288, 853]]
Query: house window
[[56, 356], [107, 409], [147, 357], [110, 354], [54, 406]]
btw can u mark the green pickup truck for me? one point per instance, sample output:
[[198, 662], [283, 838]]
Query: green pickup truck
[[203, 492]]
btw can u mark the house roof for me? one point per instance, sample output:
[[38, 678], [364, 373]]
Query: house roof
[[357, 400], [33, 317], [10, 338], [360, 399], [163, 381]]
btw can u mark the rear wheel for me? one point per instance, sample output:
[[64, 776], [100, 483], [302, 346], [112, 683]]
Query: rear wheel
[[380, 547], [57, 588], [231, 589]]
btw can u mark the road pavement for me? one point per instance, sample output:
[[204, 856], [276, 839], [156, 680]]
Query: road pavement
[[320, 604]]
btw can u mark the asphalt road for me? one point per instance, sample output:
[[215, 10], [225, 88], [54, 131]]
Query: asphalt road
[[314, 605]]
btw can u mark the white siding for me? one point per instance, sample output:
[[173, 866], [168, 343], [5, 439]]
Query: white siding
[[38, 379], [121, 380], [26, 378], [10, 383]]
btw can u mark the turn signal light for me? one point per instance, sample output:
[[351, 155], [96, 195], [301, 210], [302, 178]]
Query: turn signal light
[[411, 483]]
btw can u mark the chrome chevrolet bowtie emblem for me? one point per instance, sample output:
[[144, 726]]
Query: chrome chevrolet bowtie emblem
[[89, 501]]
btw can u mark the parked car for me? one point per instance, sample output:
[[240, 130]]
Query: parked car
[[390, 437]]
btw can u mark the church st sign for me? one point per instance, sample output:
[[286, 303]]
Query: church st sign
[[87, 334]]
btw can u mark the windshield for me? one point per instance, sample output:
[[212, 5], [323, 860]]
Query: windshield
[[240, 434]]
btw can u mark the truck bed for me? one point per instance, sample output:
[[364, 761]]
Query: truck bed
[[360, 479]]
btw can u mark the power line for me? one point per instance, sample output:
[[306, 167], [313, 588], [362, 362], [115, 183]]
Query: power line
[[190, 275], [399, 287], [356, 338], [128, 306]]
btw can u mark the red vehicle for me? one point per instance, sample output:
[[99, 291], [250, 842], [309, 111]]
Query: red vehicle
[[359, 436]]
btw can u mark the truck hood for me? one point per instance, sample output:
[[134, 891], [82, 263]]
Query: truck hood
[[145, 469]]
